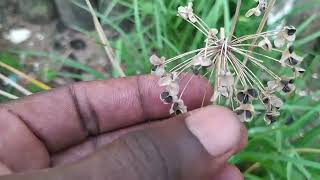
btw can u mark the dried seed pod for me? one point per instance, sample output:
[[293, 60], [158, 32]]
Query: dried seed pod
[[166, 97], [178, 107], [247, 96], [245, 112]]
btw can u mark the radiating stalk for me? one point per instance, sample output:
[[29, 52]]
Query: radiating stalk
[[235, 19]]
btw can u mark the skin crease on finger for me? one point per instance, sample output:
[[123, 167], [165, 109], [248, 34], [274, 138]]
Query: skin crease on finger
[[186, 154], [57, 120]]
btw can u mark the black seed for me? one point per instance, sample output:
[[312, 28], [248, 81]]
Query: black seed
[[239, 112], [78, 44], [293, 61], [195, 70], [248, 114], [291, 81], [291, 49], [291, 31], [175, 106], [168, 99], [289, 120], [253, 93], [271, 118], [301, 71], [241, 96], [246, 99], [164, 94], [154, 67], [177, 112], [286, 89], [266, 100]]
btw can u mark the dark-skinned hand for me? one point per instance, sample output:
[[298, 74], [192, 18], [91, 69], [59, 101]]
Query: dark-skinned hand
[[118, 130]]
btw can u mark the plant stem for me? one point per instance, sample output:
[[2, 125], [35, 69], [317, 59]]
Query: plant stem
[[105, 41], [235, 19], [15, 85], [8, 95]]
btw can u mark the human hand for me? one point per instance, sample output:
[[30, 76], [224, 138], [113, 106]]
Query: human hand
[[117, 129]]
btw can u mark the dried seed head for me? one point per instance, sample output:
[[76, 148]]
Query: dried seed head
[[178, 107], [245, 112], [223, 60], [166, 97], [201, 61], [186, 12], [265, 44], [158, 67], [290, 58], [272, 102], [287, 34], [298, 71], [247, 96]]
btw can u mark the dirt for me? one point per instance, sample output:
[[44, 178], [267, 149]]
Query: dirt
[[56, 38]]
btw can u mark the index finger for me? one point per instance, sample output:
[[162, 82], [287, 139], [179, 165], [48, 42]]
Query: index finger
[[67, 116]]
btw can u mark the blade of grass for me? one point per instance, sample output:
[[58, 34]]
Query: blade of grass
[[24, 76], [157, 23], [8, 95], [307, 39], [66, 61], [15, 85], [306, 23], [105, 41], [309, 137], [258, 157], [138, 26]]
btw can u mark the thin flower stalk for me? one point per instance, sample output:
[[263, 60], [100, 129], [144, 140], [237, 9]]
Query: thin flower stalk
[[225, 59]]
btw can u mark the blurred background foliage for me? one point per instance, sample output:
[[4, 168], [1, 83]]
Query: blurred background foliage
[[289, 149]]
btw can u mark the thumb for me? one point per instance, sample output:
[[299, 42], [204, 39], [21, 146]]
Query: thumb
[[194, 146]]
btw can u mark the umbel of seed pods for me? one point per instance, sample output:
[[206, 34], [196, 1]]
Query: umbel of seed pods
[[223, 60]]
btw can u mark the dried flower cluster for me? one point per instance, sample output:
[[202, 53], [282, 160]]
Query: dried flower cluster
[[226, 60]]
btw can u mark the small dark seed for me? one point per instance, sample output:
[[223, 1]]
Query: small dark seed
[[154, 67], [291, 49], [286, 89], [175, 106], [271, 118], [293, 61], [241, 96], [266, 100], [195, 70], [168, 99], [253, 93], [239, 112], [291, 31], [248, 114], [291, 81], [165, 94], [246, 99], [177, 112]]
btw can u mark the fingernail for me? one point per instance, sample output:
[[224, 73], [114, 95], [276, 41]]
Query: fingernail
[[217, 129]]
